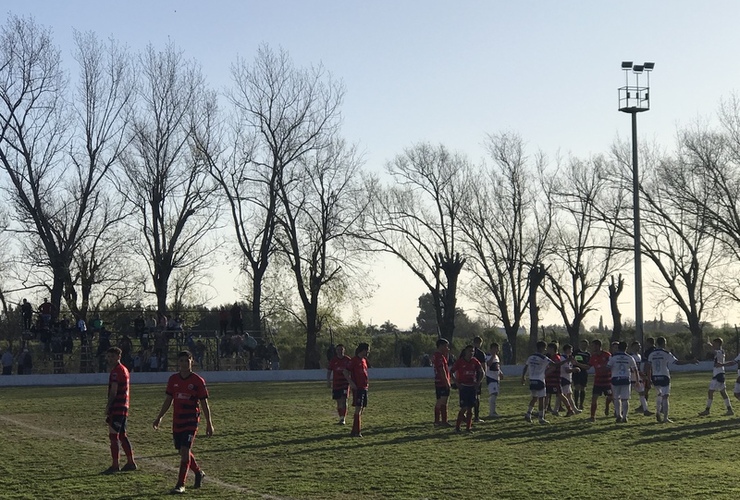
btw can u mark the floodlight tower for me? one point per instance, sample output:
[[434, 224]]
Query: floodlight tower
[[634, 99]]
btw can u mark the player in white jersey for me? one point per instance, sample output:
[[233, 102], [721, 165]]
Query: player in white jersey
[[660, 374], [718, 379], [638, 383], [536, 366], [624, 369], [566, 380], [493, 375]]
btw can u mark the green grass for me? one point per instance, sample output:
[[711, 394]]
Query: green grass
[[280, 440]]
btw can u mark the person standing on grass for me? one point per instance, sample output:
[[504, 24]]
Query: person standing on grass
[[493, 376], [602, 377], [116, 411], [187, 390], [638, 381], [535, 367], [566, 380], [336, 380], [623, 370], [356, 375], [649, 348], [481, 357], [580, 378], [552, 379], [467, 374], [718, 379], [658, 363], [441, 382]]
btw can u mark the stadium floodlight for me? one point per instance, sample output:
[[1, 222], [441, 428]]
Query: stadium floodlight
[[626, 64], [637, 68], [649, 66]]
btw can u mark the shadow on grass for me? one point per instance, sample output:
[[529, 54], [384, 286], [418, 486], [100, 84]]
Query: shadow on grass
[[678, 430]]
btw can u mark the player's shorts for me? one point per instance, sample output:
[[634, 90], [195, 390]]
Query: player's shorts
[[580, 378], [339, 393], [185, 439], [442, 392], [493, 387], [117, 423], [566, 390], [553, 389], [737, 386], [717, 383], [537, 388], [468, 396], [638, 386], [662, 385], [621, 391], [601, 390], [359, 398]]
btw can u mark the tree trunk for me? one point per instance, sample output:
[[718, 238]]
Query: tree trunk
[[312, 359], [536, 275]]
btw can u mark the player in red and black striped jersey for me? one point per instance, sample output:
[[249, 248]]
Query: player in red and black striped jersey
[[441, 382], [602, 376], [356, 375], [188, 393], [335, 379], [467, 373], [116, 411]]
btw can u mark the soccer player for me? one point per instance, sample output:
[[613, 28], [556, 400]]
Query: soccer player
[[335, 379], [566, 380], [481, 357], [116, 411], [658, 363], [649, 348], [580, 378], [536, 366], [467, 374], [638, 382], [602, 377], [356, 375], [441, 382], [493, 376], [552, 379], [623, 370], [718, 379], [187, 390]]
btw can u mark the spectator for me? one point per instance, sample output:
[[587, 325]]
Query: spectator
[[7, 362], [506, 351], [154, 361], [46, 312], [273, 356], [138, 361], [200, 352], [236, 319], [26, 314], [82, 329], [25, 363], [127, 347], [97, 325], [223, 320]]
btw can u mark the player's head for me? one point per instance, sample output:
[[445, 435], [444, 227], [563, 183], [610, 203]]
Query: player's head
[[595, 345], [363, 348], [541, 346], [614, 347], [567, 349], [495, 347], [584, 344], [339, 350], [552, 347], [660, 342], [635, 346], [622, 346], [467, 352], [113, 355], [443, 345], [717, 342], [185, 361], [650, 342], [477, 341]]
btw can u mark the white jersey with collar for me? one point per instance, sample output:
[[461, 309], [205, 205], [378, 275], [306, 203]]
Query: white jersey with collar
[[659, 360], [719, 358], [536, 365]]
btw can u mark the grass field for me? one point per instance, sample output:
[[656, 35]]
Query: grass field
[[280, 440]]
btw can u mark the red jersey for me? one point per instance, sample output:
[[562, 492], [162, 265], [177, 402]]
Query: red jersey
[[357, 368], [337, 366], [186, 394], [552, 374], [466, 371], [602, 373], [119, 375], [441, 371]]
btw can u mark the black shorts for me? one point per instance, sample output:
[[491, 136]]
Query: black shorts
[[117, 423], [442, 392], [359, 398], [564, 382], [552, 389], [661, 381], [468, 396], [580, 378], [536, 385], [185, 438], [339, 393], [601, 391]]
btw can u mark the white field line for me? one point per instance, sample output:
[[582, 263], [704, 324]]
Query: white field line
[[151, 461]]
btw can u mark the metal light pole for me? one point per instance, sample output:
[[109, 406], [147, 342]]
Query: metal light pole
[[634, 99]]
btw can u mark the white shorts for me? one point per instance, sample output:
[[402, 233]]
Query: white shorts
[[663, 390], [539, 394], [737, 388], [566, 390], [638, 387], [493, 388], [621, 391], [715, 385]]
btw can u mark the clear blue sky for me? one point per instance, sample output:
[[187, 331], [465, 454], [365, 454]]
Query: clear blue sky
[[451, 72]]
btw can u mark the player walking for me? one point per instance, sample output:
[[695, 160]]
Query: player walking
[[718, 379], [356, 375], [116, 411], [660, 374], [493, 376], [441, 382], [336, 380], [467, 374], [623, 370]]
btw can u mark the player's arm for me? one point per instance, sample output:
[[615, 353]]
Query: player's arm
[[348, 376], [207, 415], [524, 373], [481, 375], [328, 377], [730, 363], [112, 391], [165, 406]]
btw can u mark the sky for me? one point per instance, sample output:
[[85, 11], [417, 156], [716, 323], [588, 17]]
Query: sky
[[451, 72]]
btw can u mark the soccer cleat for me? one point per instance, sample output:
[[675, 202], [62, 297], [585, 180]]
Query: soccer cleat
[[341, 421], [667, 420], [591, 419], [528, 417], [493, 415], [640, 409], [199, 478], [658, 418], [478, 420], [178, 490], [704, 413], [648, 413], [445, 424], [618, 420], [570, 413], [543, 421], [356, 435], [111, 470], [729, 412], [577, 410], [130, 466], [457, 430], [606, 411]]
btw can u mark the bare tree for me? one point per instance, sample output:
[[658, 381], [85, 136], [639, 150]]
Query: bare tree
[[417, 220], [164, 176], [506, 223], [318, 216], [282, 115], [615, 290]]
